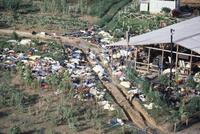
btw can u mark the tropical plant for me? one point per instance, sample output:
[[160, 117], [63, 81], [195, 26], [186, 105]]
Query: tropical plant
[[190, 82], [174, 118], [15, 130], [131, 74], [164, 79], [193, 105]]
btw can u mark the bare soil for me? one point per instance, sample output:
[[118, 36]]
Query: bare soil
[[194, 129], [90, 19], [39, 117]]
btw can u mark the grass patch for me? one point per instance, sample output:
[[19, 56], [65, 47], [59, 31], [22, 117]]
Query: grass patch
[[111, 12], [42, 21], [130, 17], [13, 96], [100, 8]]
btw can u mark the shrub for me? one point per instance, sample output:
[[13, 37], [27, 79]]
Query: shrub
[[131, 74], [111, 12], [190, 82], [166, 10], [14, 36], [100, 8], [12, 5], [118, 33], [164, 79], [193, 105], [15, 130]]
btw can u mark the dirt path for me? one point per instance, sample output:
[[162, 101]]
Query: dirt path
[[194, 129], [133, 109]]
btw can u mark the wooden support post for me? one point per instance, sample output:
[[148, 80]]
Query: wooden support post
[[135, 57], [191, 63], [149, 53], [111, 57], [177, 55], [171, 55], [162, 60], [127, 40]]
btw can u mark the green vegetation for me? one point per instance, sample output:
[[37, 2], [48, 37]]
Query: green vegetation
[[11, 95], [67, 12], [14, 36], [19, 6], [27, 14], [114, 14], [100, 8], [65, 7], [193, 105], [15, 130], [63, 23], [112, 11], [164, 79], [55, 6], [64, 16], [13, 5], [138, 23], [190, 82], [130, 17], [164, 110], [166, 10]]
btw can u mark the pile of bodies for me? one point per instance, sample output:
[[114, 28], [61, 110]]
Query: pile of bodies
[[94, 35], [117, 59], [114, 58], [85, 82]]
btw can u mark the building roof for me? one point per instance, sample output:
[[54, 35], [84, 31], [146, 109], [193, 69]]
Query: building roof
[[186, 34], [193, 3]]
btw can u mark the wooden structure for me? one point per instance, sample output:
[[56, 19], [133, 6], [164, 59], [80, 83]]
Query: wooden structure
[[186, 38], [149, 67], [192, 3]]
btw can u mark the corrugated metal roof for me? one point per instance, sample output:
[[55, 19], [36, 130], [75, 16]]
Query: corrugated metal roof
[[186, 34]]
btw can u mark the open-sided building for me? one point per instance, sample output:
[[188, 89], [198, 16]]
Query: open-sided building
[[155, 47]]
